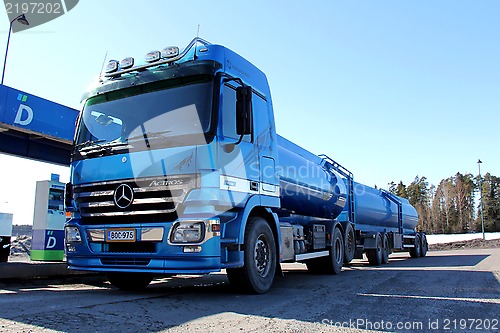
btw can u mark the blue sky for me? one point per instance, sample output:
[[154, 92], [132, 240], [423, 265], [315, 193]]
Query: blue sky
[[389, 89]]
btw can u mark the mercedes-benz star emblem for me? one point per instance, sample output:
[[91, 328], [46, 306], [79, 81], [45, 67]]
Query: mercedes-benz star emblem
[[124, 196]]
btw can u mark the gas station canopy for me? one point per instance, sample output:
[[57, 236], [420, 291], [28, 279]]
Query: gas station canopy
[[34, 127]]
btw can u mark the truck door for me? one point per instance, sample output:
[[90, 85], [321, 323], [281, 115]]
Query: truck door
[[239, 163], [263, 135]]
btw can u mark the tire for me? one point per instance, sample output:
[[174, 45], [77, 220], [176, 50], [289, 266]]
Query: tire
[[375, 255], [415, 252], [314, 266], [257, 274], [331, 264], [350, 244], [386, 250], [130, 281], [424, 247]]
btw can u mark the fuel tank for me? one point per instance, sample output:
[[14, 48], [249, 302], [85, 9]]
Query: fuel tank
[[309, 188], [306, 187], [376, 211]]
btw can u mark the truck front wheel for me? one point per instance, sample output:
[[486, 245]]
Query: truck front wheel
[[257, 274], [130, 281]]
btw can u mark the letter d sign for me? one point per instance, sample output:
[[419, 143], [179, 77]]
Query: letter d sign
[[51, 242], [19, 115]]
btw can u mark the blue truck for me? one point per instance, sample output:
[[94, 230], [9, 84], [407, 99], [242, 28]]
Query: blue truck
[[177, 168]]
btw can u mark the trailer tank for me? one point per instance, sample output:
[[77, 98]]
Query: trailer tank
[[376, 210], [308, 187]]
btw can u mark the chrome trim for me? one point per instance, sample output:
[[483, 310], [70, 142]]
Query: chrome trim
[[97, 204], [152, 234], [305, 256], [155, 200], [95, 235], [96, 193], [129, 213], [152, 195], [162, 62]]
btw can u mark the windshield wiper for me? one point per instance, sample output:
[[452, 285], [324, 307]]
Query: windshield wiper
[[149, 135], [88, 143]]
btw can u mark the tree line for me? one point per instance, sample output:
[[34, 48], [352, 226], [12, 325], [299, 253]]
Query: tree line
[[454, 205]]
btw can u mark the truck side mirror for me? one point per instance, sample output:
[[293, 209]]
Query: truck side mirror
[[244, 110]]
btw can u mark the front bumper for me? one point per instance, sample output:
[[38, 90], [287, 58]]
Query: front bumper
[[150, 253]]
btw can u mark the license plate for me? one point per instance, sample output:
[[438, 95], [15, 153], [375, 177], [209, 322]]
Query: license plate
[[120, 235]]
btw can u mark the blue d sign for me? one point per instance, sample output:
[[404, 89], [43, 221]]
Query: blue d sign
[[54, 240]]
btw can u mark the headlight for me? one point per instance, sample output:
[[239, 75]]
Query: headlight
[[73, 235], [188, 232]]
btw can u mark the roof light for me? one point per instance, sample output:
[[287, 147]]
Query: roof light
[[170, 52], [153, 56], [111, 67], [127, 63]]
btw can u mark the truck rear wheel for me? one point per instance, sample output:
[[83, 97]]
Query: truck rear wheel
[[350, 244], [257, 274], [424, 247], [415, 251], [331, 264], [375, 255], [130, 281]]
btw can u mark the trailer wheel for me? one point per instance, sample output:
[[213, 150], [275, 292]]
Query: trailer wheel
[[350, 244], [331, 264], [130, 281], [375, 255], [424, 246], [257, 274], [416, 251], [386, 250], [336, 253]]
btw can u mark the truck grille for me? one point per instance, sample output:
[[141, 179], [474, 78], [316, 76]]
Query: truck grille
[[125, 261], [132, 197], [137, 247]]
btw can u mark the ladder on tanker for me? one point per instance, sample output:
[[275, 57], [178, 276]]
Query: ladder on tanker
[[392, 197], [351, 215]]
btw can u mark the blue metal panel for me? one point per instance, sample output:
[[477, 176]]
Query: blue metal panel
[[306, 187], [30, 113], [374, 212]]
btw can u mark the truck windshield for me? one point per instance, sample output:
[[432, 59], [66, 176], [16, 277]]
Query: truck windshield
[[154, 116]]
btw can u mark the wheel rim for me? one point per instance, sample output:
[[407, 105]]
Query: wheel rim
[[338, 251], [262, 256], [350, 241]]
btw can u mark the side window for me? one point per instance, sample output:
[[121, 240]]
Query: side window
[[261, 121], [229, 115]]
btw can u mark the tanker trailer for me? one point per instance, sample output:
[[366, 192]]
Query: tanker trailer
[[316, 190]]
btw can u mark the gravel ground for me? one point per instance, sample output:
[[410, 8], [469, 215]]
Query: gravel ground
[[447, 291], [470, 244]]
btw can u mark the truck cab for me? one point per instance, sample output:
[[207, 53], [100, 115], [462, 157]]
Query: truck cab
[[170, 160]]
